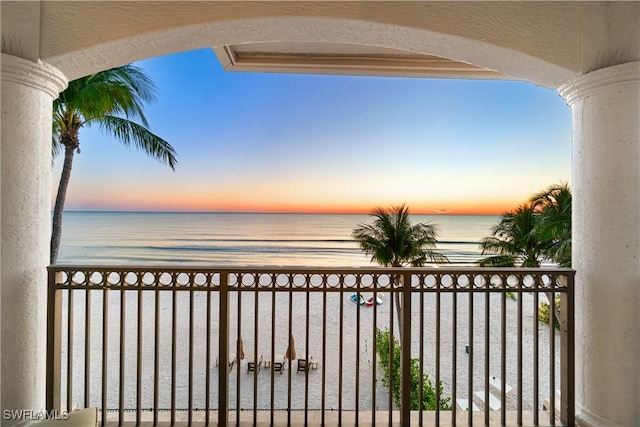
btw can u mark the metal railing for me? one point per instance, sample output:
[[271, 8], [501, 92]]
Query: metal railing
[[135, 341]]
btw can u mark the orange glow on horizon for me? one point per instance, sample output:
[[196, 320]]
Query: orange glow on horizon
[[202, 198], [190, 203]]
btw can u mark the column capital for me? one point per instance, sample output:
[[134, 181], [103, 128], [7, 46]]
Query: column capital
[[621, 76], [38, 75]]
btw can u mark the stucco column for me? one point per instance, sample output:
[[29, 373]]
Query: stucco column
[[606, 243], [28, 90]]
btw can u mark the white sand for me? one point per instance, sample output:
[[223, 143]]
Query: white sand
[[329, 365]]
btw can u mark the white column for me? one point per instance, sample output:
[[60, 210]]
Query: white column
[[28, 90], [606, 243]]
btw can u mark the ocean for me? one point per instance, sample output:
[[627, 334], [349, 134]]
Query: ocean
[[245, 239]]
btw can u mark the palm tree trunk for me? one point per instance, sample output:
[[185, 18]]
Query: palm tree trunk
[[555, 315], [396, 297], [398, 313], [56, 231]]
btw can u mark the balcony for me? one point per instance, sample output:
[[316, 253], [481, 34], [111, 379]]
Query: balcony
[[174, 345]]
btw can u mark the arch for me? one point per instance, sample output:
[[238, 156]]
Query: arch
[[509, 62]]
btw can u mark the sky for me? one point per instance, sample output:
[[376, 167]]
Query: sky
[[305, 143]]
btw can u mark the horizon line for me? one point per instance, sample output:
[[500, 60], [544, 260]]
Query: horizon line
[[265, 212]]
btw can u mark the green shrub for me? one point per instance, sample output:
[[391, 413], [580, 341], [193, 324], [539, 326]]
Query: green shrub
[[544, 309], [509, 294], [383, 342]]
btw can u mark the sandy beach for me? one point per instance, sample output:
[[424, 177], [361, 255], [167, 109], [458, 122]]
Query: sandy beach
[[316, 343]]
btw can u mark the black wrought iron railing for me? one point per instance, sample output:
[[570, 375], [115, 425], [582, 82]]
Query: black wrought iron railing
[[225, 345]]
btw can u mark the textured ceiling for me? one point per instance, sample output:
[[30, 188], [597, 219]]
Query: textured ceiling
[[542, 42]]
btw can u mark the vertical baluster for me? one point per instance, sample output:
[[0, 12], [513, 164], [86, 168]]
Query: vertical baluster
[[122, 350], [567, 352], [87, 348], [391, 346], [105, 322], [288, 357], [306, 376], [454, 352], [438, 301], [223, 351], [156, 353], [374, 354], [357, 394], [520, 379], [174, 338], [536, 354], [405, 348], [340, 354], [273, 344], [238, 338], [54, 342], [256, 311], [487, 303], [503, 355], [139, 359], [207, 378], [421, 329], [552, 354], [470, 365], [190, 391], [324, 346], [70, 311]]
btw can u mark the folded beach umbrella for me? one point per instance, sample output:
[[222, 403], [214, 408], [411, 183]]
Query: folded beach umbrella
[[241, 351], [291, 350]]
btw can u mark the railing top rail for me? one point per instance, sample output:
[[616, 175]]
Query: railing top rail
[[439, 270], [429, 279]]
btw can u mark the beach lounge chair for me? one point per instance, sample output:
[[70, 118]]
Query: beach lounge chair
[[496, 383], [278, 365], [253, 366], [303, 366], [232, 361], [313, 363], [494, 402], [464, 405]]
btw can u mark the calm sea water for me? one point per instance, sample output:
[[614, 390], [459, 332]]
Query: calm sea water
[[246, 239]]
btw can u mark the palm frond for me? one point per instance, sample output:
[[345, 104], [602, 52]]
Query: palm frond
[[535, 231], [119, 91], [392, 240], [515, 237], [498, 261], [130, 133], [494, 245], [56, 147], [555, 207]]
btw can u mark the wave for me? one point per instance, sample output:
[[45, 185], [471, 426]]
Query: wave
[[263, 247], [243, 248], [218, 240], [261, 240]]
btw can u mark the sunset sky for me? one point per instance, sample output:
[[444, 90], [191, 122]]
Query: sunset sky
[[301, 143]]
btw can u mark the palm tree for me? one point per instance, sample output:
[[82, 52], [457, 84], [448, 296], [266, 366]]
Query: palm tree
[[525, 237], [392, 241], [554, 226], [514, 241], [110, 99]]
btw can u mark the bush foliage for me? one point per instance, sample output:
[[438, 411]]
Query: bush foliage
[[383, 341], [543, 313]]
